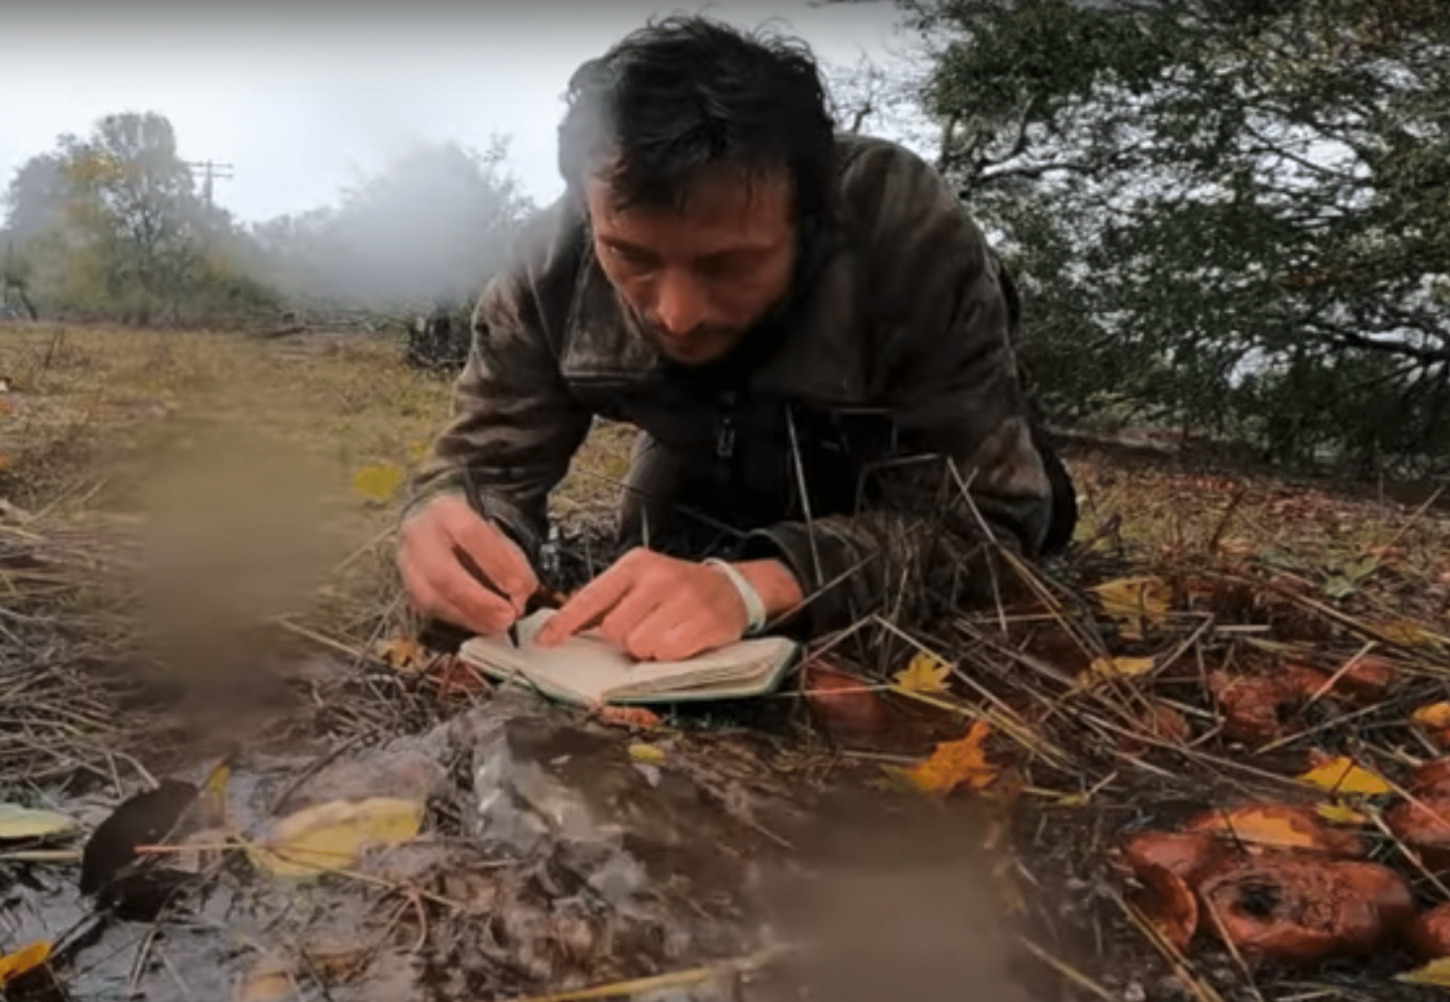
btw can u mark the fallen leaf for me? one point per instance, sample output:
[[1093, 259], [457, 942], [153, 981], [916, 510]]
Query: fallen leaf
[[1276, 826], [144, 819], [1157, 720], [1429, 934], [1436, 972], [1104, 669], [1408, 633], [404, 654], [1341, 814], [1135, 601], [23, 961], [647, 754], [636, 718], [1434, 717], [380, 483], [1432, 777], [212, 802], [957, 762], [1341, 775], [269, 979], [23, 822], [924, 674], [334, 835], [1296, 909]]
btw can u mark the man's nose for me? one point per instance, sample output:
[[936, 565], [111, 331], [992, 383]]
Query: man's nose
[[680, 305]]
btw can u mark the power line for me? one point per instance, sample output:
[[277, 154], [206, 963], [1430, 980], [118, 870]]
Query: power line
[[210, 170]]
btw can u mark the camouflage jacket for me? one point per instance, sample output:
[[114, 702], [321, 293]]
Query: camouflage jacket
[[891, 368]]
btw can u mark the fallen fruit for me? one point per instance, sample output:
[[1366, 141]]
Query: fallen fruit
[[840, 702], [1424, 825], [1429, 934], [1299, 910], [1255, 706], [1168, 903], [1183, 854], [1431, 778]]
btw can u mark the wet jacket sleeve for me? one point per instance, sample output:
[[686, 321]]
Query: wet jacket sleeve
[[965, 466], [514, 423]]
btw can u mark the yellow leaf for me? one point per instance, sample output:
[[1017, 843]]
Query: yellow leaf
[[1341, 814], [957, 762], [646, 754], [1434, 717], [22, 822], [1436, 972], [404, 654], [1341, 775], [23, 961], [1144, 598], [333, 836], [1409, 633], [212, 802], [1109, 668], [380, 483], [924, 674]]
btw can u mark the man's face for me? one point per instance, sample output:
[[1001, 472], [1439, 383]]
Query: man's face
[[701, 276]]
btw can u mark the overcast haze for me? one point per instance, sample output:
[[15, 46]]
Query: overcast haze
[[306, 100]]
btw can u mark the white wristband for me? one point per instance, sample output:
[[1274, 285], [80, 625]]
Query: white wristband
[[754, 607]]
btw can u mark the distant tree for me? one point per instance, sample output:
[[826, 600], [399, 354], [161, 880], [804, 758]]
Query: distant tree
[[428, 230], [1229, 214], [111, 225]]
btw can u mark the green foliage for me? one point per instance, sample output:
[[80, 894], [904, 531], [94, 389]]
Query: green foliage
[[1230, 215], [110, 227]]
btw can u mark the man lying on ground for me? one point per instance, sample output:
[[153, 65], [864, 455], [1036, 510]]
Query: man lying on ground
[[813, 337]]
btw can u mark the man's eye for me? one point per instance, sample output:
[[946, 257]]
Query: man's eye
[[630, 256]]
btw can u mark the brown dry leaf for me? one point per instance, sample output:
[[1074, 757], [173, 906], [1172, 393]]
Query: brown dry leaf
[[404, 654], [1104, 669], [23, 961], [1340, 775], [924, 674], [334, 835], [955, 763], [839, 701], [1436, 972], [1276, 826]]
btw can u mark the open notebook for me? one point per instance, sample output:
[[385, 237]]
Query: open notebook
[[587, 669]]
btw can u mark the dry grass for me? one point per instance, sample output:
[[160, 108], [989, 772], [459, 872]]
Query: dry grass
[[249, 449]]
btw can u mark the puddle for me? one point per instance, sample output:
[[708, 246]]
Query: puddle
[[556, 854]]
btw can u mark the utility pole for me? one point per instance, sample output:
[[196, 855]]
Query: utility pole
[[209, 171]]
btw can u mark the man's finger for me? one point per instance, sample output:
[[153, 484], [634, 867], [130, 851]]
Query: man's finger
[[497, 556], [476, 607], [588, 604], [664, 634], [631, 611]]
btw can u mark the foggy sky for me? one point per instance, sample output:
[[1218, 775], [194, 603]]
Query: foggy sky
[[304, 100]]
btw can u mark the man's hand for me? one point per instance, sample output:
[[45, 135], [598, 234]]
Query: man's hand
[[437, 544], [659, 608]]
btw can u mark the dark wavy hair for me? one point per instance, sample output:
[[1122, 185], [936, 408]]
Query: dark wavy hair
[[686, 93]]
